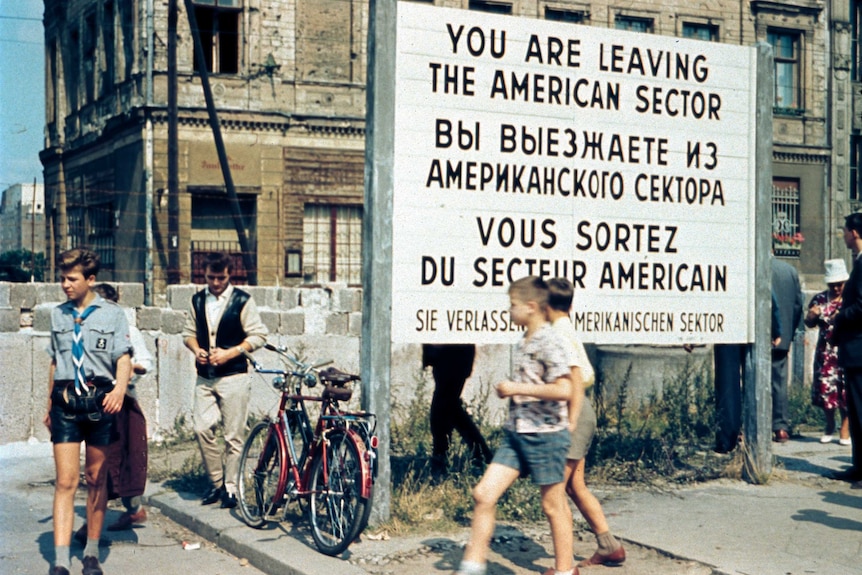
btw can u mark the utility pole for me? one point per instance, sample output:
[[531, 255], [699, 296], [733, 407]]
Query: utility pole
[[376, 351], [247, 255], [33, 234], [173, 151]]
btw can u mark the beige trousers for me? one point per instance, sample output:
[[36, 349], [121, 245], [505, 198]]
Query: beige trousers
[[222, 399]]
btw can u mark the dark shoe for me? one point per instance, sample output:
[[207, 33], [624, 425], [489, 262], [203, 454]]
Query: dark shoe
[[856, 485], [81, 535], [616, 558], [213, 495], [91, 566], [780, 436], [127, 519], [228, 501], [851, 474], [57, 570]]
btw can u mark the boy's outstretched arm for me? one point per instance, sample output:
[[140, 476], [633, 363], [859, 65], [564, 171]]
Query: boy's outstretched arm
[[559, 390]]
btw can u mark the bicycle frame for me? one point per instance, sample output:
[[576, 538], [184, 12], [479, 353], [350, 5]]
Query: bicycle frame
[[293, 418]]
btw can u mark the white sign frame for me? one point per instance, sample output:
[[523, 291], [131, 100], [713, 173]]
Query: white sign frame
[[473, 197]]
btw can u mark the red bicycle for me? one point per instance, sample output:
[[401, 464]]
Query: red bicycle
[[330, 466]]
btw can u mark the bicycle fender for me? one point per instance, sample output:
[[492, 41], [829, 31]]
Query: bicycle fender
[[367, 479]]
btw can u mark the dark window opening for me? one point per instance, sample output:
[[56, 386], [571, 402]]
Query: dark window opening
[[560, 15], [219, 34]]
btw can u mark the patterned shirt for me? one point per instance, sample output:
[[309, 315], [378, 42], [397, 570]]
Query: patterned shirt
[[106, 339], [542, 359]]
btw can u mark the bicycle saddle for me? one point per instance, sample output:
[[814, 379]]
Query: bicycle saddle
[[336, 377]]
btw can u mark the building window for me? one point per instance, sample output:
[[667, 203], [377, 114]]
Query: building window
[[786, 58], [492, 6], [107, 82], [332, 244], [200, 249], [88, 51], [213, 230], [787, 238], [92, 226], [706, 32], [561, 15], [856, 168], [634, 24], [856, 40], [218, 25]]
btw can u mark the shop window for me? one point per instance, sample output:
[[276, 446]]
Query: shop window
[[218, 25], [706, 32], [787, 68], [787, 237], [332, 244]]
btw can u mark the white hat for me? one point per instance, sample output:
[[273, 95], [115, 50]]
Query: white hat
[[836, 271]]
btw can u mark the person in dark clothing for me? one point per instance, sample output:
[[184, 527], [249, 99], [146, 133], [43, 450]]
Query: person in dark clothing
[[451, 365], [788, 291], [847, 334], [729, 361]]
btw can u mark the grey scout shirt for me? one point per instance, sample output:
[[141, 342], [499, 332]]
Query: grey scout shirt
[[106, 339]]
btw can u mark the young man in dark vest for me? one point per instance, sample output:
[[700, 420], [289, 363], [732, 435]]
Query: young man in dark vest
[[222, 322]]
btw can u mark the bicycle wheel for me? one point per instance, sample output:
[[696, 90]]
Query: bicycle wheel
[[336, 506], [260, 467]]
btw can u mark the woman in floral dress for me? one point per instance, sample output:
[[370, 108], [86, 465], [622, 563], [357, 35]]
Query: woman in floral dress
[[827, 390]]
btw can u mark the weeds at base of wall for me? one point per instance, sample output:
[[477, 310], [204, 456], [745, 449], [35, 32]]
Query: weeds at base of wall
[[667, 438]]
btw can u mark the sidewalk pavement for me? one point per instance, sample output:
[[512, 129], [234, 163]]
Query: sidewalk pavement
[[799, 523]]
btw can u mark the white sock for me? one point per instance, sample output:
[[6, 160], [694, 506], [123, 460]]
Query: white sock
[[471, 568]]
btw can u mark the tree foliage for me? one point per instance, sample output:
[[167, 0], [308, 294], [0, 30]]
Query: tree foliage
[[15, 266]]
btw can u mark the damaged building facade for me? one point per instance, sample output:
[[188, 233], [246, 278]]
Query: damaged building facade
[[288, 80]]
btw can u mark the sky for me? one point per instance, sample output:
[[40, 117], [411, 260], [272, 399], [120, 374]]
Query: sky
[[22, 91]]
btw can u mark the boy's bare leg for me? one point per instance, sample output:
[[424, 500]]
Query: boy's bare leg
[[97, 492], [583, 499], [559, 514], [67, 462], [494, 483]]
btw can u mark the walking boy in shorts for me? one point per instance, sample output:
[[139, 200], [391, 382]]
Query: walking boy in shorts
[[536, 432], [87, 380], [582, 421]]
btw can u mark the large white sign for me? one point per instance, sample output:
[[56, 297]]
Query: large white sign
[[621, 161]]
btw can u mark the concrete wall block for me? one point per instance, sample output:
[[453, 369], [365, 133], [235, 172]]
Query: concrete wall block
[[18, 400], [176, 385], [315, 321], [173, 321], [354, 324], [42, 317], [5, 291], [346, 299], [292, 323], [264, 297], [314, 298], [50, 293], [131, 294], [150, 318], [10, 320], [23, 296], [270, 319], [337, 324], [288, 298], [180, 297]]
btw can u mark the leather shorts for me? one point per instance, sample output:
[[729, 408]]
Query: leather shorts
[[76, 418]]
